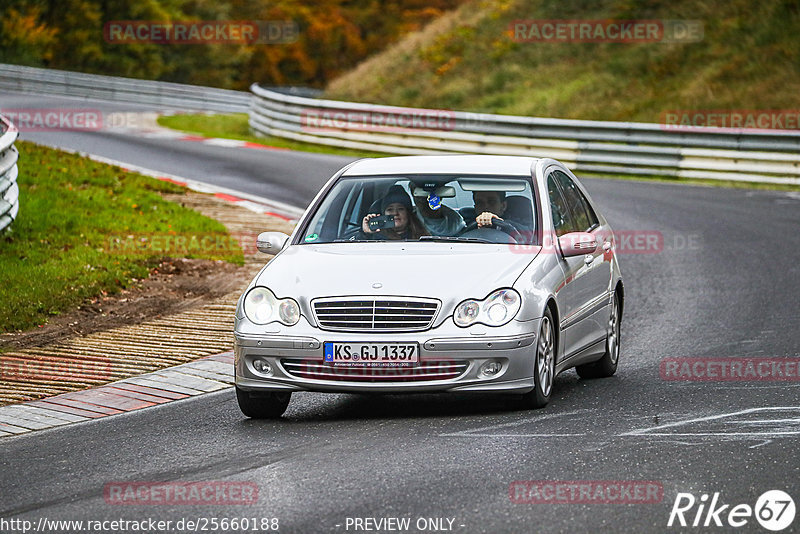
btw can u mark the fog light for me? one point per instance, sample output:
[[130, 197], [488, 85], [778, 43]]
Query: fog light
[[490, 369], [262, 366]]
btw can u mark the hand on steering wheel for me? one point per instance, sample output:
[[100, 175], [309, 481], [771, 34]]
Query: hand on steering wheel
[[496, 223], [486, 219]]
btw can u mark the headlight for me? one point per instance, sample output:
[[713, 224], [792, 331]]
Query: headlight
[[495, 310], [289, 312], [262, 307], [467, 312]]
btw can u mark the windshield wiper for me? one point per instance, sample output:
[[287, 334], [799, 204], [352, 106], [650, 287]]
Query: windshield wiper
[[354, 240], [453, 238]]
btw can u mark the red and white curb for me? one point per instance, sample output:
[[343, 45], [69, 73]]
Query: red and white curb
[[205, 375], [254, 203], [227, 143], [163, 133], [145, 124]]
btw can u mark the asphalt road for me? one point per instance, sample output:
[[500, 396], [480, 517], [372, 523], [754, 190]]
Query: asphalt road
[[291, 177], [725, 284]]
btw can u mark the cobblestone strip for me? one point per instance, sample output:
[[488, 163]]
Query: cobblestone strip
[[123, 353], [205, 375]]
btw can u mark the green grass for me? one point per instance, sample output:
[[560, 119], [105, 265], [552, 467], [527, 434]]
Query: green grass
[[749, 58], [62, 248], [235, 126]]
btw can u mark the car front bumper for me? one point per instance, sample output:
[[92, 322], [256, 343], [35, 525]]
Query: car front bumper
[[301, 347]]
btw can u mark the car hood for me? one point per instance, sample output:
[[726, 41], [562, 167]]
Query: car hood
[[437, 270]]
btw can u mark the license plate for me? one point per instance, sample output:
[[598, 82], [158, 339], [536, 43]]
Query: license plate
[[372, 354]]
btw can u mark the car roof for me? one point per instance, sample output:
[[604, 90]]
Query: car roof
[[445, 164]]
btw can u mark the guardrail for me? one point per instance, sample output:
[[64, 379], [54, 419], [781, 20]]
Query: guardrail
[[585, 146], [9, 189], [163, 94]]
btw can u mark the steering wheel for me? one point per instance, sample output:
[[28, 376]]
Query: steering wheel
[[503, 226]]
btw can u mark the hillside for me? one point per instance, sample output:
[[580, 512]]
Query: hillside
[[306, 43], [749, 58]]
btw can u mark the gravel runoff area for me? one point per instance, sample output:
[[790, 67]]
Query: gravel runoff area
[[181, 313]]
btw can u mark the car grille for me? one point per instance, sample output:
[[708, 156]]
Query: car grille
[[426, 371], [385, 314]]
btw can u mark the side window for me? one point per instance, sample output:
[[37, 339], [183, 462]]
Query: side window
[[593, 221], [562, 220], [577, 204]]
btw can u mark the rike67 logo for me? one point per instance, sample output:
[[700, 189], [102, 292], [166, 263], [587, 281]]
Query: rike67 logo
[[774, 510]]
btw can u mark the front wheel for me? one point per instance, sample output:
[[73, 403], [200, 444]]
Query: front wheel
[[544, 369], [267, 405], [607, 365]]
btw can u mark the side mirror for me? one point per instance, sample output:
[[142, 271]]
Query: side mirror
[[271, 242], [577, 244]]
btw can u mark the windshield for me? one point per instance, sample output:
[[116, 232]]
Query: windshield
[[425, 208]]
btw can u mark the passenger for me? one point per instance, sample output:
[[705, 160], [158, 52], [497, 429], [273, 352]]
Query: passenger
[[444, 221], [407, 225]]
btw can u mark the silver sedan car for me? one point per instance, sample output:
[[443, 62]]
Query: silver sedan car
[[433, 274]]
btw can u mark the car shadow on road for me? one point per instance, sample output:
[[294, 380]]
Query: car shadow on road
[[309, 407]]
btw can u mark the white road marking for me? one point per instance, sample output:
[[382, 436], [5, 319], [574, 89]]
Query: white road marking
[[766, 421], [723, 434], [656, 430], [477, 432], [552, 435]]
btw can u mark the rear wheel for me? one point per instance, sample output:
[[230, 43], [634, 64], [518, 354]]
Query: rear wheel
[[263, 405], [607, 365], [544, 369]]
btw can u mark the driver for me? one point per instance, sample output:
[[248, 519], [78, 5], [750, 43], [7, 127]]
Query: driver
[[489, 205]]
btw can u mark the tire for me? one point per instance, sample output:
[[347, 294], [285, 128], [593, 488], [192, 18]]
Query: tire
[[267, 405], [544, 365], [607, 365]]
